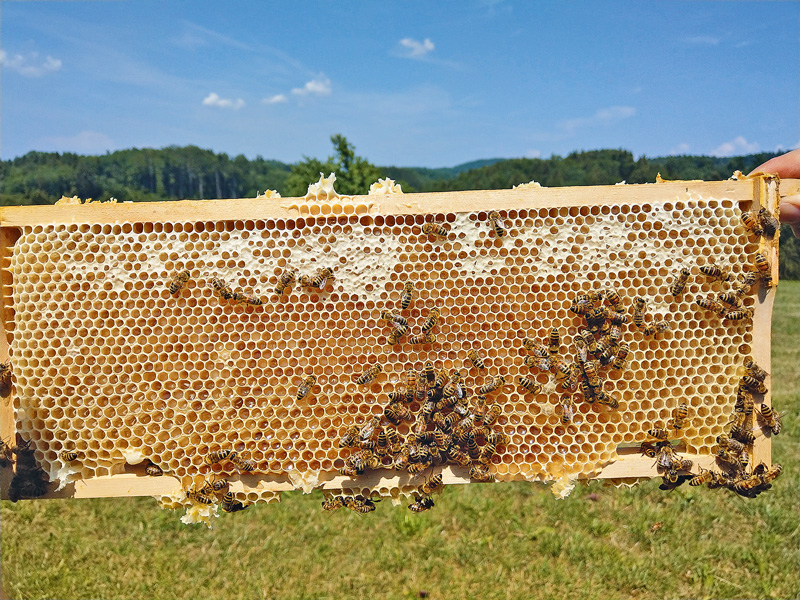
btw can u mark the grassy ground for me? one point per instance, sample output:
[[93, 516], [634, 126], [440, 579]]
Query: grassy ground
[[496, 541]]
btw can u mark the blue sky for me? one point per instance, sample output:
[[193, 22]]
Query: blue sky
[[409, 84]]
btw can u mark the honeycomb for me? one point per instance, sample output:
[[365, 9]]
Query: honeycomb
[[108, 363]]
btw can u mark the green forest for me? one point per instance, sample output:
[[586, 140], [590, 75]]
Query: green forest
[[189, 172]]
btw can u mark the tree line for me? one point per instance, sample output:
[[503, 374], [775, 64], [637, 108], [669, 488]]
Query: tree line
[[190, 172]]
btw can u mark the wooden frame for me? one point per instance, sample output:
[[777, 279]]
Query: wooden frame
[[763, 190]]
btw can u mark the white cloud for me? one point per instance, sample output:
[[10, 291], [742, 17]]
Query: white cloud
[[738, 145], [682, 148], [533, 154], [85, 142], [276, 99], [29, 65], [604, 116], [318, 86], [213, 99], [415, 49], [701, 40]]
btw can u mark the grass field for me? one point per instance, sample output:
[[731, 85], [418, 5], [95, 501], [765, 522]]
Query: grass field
[[486, 541]]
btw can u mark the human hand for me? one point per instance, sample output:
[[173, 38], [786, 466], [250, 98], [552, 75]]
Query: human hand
[[786, 166]]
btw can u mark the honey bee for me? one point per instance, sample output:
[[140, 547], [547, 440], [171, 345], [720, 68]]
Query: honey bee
[[431, 320], [5, 378], [487, 453], [591, 372], [401, 458], [543, 364], [198, 497], [253, 300], [751, 384], [596, 318], [449, 390], [320, 280], [434, 229], [554, 341], [741, 287], [360, 504], [217, 457], [407, 296], [476, 359], [213, 486], [423, 338], [419, 467], [680, 282], [754, 370], [350, 436], [567, 409], [772, 473], [396, 412], [762, 265], [285, 279], [358, 462], [153, 470], [771, 418], [711, 305], [649, 449], [530, 385], [242, 464], [305, 387], [581, 304], [6, 454], [369, 428], [605, 351], [481, 473], [615, 300], [622, 355], [715, 272], [393, 317], [230, 505], [729, 299], [433, 485], [492, 385], [639, 309], [743, 433], [679, 414], [737, 315], [178, 281], [704, 477], [68, 455], [752, 223], [459, 457], [441, 378], [659, 434], [420, 504], [605, 398], [747, 485], [429, 372], [496, 224], [666, 458], [769, 223], [370, 374], [221, 289], [332, 503]]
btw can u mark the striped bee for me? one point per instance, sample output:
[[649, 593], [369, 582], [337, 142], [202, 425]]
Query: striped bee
[[622, 354], [420, 504], [350, 436], [153, 470], [751, 384], [567, 409], [360, 504], [422, 338], [242, 464], [554, 341], [737, 315], [285, 279], [639, 309], [752, 223], [217, 457], [492, 385], [496, 224], [710, 304], [333, 503], [769, 223], [230, 505], [481, 473], [745, 282], [754, 370], [398, 333], [392, 317], [321, 278], [730, 299], [221, 289], [659, 434], [615, 300], [429, 372], [705, 476], [771, 418], [581, 305], [430, 322], [679, 415], [715, 272], [407, 296], [530, 385], [434, 229], [762, 265], [476, 359], [396, 412], [432, 486], [370, 374], [68, 455], [176, 283], [680, 283], [305, 387]]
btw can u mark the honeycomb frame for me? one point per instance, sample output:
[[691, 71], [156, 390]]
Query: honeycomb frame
[[118, 469]]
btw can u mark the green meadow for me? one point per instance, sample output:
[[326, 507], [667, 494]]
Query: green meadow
[[480, 541]]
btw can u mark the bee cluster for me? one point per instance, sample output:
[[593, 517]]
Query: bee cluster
[[449, 425], [403, 363]]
